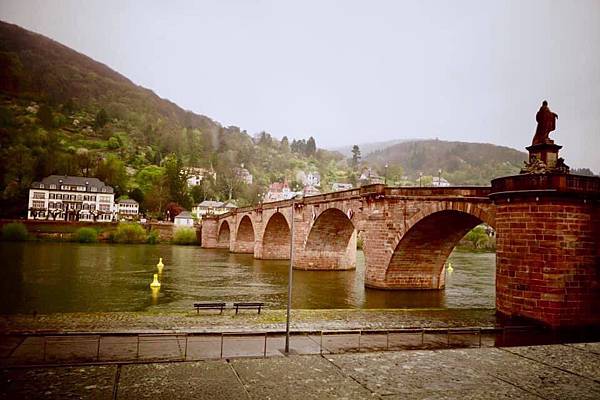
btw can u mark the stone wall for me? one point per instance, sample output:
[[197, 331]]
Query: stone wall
[[548, 255]]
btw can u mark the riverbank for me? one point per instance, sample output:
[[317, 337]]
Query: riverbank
[[247, 321]]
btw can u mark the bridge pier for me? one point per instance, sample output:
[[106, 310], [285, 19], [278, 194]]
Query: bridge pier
[[209, 232], [548, 248]]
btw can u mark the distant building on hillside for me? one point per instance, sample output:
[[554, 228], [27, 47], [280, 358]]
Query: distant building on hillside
[[338, 187], [368, 177], [310, 190], [313, 179], [278, 191], [71, 198], [212, 207], [196, 175], [440, 182], [244, 175], [128, 209], [184, 218]]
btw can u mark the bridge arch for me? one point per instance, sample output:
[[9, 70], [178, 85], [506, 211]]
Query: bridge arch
[[422, 250], [276, 238], [245, 237], [224, 235], [331, 243]]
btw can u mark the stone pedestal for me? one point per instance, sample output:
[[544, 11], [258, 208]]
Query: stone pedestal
[[548, 248], [543, 158]]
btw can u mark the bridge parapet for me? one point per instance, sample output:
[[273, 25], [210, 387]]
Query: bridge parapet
[[559, 183]]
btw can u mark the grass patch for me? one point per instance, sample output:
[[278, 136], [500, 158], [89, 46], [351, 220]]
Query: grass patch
[[185, 236], [129, 233], [85, 235], [14, 232]]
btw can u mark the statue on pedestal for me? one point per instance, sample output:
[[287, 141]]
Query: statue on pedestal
[[543, 153], [546, 120]]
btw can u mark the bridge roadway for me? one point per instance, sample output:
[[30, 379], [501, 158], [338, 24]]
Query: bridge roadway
[[548, 238]]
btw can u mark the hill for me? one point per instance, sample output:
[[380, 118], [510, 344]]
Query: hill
[[64, 113], [460, 162], [368, 148]]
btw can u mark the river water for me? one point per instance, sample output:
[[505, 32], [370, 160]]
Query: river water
[[48, 277]]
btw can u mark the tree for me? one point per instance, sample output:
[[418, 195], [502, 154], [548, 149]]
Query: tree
[[355, 156], [172, 210], [148, 176], [112, 171], [285, 144], [85, 161], [311, 147], [137, 195], [176, 180], [101, 119], [45, 116]]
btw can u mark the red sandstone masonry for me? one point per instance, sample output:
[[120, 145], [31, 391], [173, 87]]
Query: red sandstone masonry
[[546, 248]]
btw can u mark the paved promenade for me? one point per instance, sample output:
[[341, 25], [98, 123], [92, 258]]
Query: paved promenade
[[567, 371]]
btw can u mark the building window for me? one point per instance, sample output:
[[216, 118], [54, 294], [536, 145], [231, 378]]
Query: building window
[[39, 195], [103, 190], [39, 204], [41, 185], [94, 189], [52, 186]]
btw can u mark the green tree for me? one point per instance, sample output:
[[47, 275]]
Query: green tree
[[355, 156], [176, 180], [45, 116], [101, 119], [285, 144], [112, 171], [311, 147]]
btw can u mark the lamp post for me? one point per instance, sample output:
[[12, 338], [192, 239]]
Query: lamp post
[[290, 272], [385, 177], [420, 176], [439, 177]]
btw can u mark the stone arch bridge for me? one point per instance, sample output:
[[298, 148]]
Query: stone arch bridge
[[547, 225], [408, 233]]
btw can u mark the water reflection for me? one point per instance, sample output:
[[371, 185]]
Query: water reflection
[[68, 277]]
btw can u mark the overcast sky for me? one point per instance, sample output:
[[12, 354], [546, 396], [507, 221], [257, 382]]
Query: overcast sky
[[351, 72]]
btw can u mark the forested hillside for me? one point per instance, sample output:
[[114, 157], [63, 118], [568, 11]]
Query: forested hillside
[[63, 113], [459, 162]]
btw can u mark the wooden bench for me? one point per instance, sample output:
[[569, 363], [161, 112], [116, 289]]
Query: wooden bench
[[248, 305], [209, 306]]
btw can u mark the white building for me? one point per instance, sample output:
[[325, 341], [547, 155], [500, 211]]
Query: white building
[[278, 191], [71, 198], [440, 182], [211, 207], [194, 176], [184, 218], [243, 175], [128, 208], [338, 187], [313, 179], [368, 177]]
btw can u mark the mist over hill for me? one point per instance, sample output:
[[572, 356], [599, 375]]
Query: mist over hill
[[459, 162], [62, 112], [65, 113]]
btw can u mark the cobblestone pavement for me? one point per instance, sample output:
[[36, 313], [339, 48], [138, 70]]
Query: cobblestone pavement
[[211, 321], [568, 371]]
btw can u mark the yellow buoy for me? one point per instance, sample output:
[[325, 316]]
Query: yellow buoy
[[155, 292], [155, 283], [450, 269], [160, 265]]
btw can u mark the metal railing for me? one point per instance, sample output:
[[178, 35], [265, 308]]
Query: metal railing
[[95, 348]]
